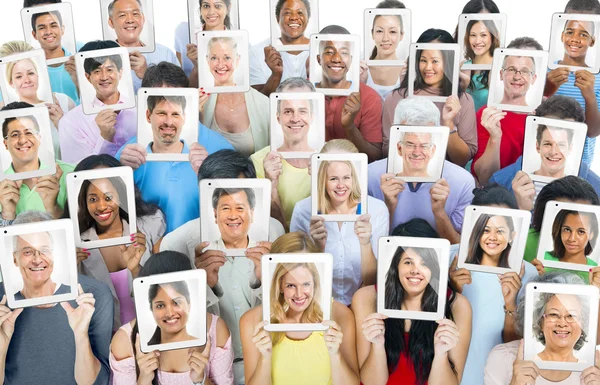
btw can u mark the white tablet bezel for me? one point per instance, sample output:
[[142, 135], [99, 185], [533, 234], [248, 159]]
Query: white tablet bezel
[[37, 227], [269, 261], [148, 8], [353, 73], [464, 19], [203, 37], [521, 238], [553, 40], [316, 159], [140, 293], [497, 65], [318, 119], [192, 99], [193, 31], [46, 143], [441, 150], [579, 135], [73, 189], [383, 264], [274, 28], [406, 15], [588, 291], [124, 54], [552, 208], [69, 29], [211, 184], [412, 69], [39, 57]]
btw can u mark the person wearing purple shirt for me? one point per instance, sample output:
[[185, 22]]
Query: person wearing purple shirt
[[82, 135], [441, 204]]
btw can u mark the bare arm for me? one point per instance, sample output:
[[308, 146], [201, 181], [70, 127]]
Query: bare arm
[[344, 364], [364, 230], [439, 195], [489, 162], [256, 348], [585, 80]]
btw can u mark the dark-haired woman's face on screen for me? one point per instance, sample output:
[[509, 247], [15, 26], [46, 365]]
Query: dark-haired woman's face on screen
[[213, 13], [496, 236], [298, 287], [103, 202], [480, 39], [387, 34], [414, 274], [575, 233], [431, 67], [170, 310]]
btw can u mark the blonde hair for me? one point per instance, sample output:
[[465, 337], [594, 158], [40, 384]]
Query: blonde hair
[[222, 39], [295, 242], [279, 307], [324, 202], [339, 145], [13, 47]]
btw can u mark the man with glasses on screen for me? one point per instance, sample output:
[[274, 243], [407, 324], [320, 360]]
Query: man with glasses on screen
[[166, 115], [32, 255], [22, 140], [518, 75], [416, 150]]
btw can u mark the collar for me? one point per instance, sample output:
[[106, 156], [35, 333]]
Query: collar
[[11, 171], [186, 149], [98, 103]]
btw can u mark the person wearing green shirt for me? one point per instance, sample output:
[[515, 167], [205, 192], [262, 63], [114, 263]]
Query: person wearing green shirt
[[48, 193], [574, 236]]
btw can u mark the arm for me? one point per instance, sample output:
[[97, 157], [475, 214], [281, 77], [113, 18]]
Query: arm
[[344, 364], [221, 360], [489, 162], [363, 230], [272, 168], [275, 64], [584, 80], [256, 348], [458, 150], [511, 284], [439, 195], [370, 119], [8, 318], [192, 54]]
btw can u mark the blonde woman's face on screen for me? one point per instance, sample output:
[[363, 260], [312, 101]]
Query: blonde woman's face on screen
[[170, 309], [298, 288], [222, 62], [25, 79], [338, 182]]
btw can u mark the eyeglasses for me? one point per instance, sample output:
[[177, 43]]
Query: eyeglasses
[[512, 71], [412, 146], [555, 317], [28, 252], [16, 135]]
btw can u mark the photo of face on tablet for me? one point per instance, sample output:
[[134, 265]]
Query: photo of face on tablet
[[51, 30], [22, 139], [435, 70], [293, 18], [491, 241], [295, 118], [387, 37], [578, 39], [233, 210], [335, 59], [554, 145], [26, 80], [170, 304], [223, 60], [338, 187], [296, 293], [127, 23], [166, 116], [482, 37], [109, 79], [574, 236], [416, 150]]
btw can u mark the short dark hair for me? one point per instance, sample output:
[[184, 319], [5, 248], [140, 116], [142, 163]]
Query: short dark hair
[[524, 42], [335, 30], [583, 6], [279, 5], [494, 194], [92, 63], [226, 164], [386, 4], [154, 100], [416, 227], [15, 106], [219, 192], [561, 107], [33, 3], [35, 16], [165, 74], [570, 187]]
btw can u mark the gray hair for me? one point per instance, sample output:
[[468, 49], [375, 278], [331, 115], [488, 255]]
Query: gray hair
[[219, 192], [222, 39], [417, 112], [418, 134], [296, 83], [32, 216], [111, 7], [540, 305]]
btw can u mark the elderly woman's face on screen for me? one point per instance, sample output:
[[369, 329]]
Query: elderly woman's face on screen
[[480, 39], [387, 33], [414, 274], [222, 62], [431, 66], [496, 236], [339, 182], [103, 202], [575, 233], [298, 288], [24, 79], [562, 321], [213, 12], [33, 256], [170, 309], [577, 37]]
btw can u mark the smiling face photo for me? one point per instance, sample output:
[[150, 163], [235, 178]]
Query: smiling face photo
[[104, 74], [574, 237], [339, 188], [234, 213], [491, 240], [292, 22], [170, 304], [296, 290], [22, 140], [212, 15], [166, 115], [517, 76], [335, 59], [387, 35], [223, 61], [416, 150], [129, 23], [25, 78], [481, 39], [574, 42], [433, 67]]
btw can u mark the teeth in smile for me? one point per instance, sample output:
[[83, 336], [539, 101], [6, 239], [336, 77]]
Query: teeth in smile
[[103, 217], [234, 224], [293, 25], [299, 302], [37, 268], [414, 280], [171, 321]]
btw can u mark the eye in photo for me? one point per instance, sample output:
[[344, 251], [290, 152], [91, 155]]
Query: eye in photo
[[27, 143], [560, 321], [38, 263], [234, 213], [297, 284], [297, 124], [171, 310], [387, 36], [335, 63], [212, 15], [493, 239], [105, 81], [574, 42], [434, 66], [517, 79], [51, 28], [102, 202], [417, 154], [339, 186], [479, 35], [292, 23], [130, 23], [569, 236], [24, 78], [167, 122], [223, 64], [409, 268], [553, 148]]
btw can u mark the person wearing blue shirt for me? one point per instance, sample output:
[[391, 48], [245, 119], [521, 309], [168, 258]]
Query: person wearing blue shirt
[[172, 186]]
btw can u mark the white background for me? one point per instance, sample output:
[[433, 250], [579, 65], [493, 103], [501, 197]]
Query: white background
[[43, 91], [436, 163], [68, 39], [534, 94], [60, 274], [207, 78], [557, 51]]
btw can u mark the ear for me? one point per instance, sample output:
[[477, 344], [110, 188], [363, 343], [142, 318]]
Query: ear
[[533, 78], [319, 59], [15, 261], [62, 30], [537, 147], [5, 144], [120, 73], [433, 148], [110, 23], [148, 115], [251, 215], [501, 75], [87, 76], [215, 212], [33, 34], [399, 146]]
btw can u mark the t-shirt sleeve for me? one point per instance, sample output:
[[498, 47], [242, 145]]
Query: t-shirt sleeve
[[466, 123], [301, 218], [257, 160], [482, 139], [257, 71], [368, 120], [380, 220], [498, 368]]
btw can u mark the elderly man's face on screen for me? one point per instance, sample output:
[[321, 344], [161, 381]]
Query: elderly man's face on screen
[[234, 215], [335, 58], [518, 75], [48, 31], [167, 120], [33, 256], [416, 150], [127, 19], [295, 118], [23, 140]]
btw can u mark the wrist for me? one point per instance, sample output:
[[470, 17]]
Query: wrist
[[82, 339], [108, 136], [9, 215], [135, 271], [55, 210]]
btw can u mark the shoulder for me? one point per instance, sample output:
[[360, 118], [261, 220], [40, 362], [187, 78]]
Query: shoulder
[[367, 91], [457, 175], [257, 96], [275, 229], [182, 31], [251, 318], [303, 206], [394, 98], [151, 221], [341, 313], [258, 156], [504, 352], [365, 297], [69, 118], [376, 206], [466, 98], [222, 332], [65, 167], [461, 306], [212, 140], [377, 168], [164, 52], [505, 176], [259, 48], [121, 346], [99, 289]]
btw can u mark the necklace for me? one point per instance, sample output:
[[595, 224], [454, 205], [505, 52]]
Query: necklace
[[230, 107]]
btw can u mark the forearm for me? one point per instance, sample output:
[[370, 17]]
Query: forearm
[[271, 85], [56, 211], [341, 373], [368, 264], [2, 366], [458, 150], [373, 151], [87, 366], [262, 374], [445, 227], [592, 117], [508, 332], [374, 370], [194, 78], [489, 162], [277, 211], [441, 372]]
